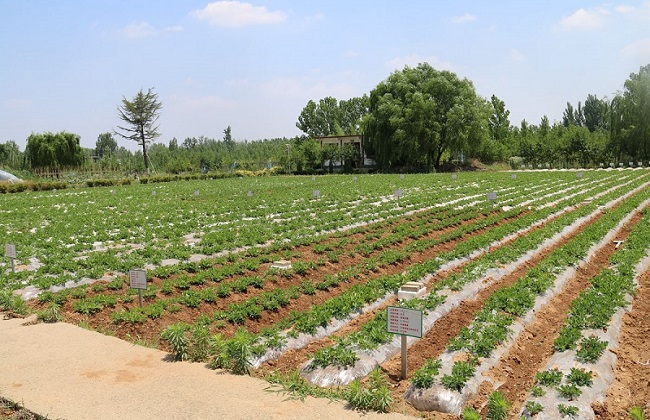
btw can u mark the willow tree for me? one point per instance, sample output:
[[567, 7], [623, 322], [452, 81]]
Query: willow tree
[[141, 115], [630, 125], [54, 151], [418, 115]]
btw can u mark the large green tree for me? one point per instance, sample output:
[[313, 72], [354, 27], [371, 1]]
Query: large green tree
[[140, 115], [54, 151], [596, 112], [630, 126], [105, 146], [419, 114], [330, 117]]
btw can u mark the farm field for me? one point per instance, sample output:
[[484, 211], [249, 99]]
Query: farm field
[[535, 281]]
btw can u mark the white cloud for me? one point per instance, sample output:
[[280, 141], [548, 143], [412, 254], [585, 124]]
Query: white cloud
[[640, 48], [351, 54], [13, 103], [144, 30], [516, 55], [232, 14], [413, 60], [466, 18], [624, 8], [583, 19], [138, 30], [305, 88]]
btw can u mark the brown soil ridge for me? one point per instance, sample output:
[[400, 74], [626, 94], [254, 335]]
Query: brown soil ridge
[[437, 338], [631, 385], [150, 329], [530, 352], [292, 358]]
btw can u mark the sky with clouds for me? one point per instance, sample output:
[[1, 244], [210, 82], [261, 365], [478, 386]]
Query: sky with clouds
[[66, 65]]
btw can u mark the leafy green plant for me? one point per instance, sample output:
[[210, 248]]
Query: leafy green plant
[[375, 396], [132, 315], [338, 355], [460, 373], [537, 391], [295, 385], [580, 377], [568, 410], [11, 303], [469, 413], [175, 335], [570, 392], [637, 413], [551, 377], [51, 314], [240, 352], [534, 407], [423, 377], [498, 406], [591, 348]]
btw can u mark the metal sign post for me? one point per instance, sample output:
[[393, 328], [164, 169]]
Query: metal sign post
[[405, 322], [138, 280], [398, 194], [10, 251]]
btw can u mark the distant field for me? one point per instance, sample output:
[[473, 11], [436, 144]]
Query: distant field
[[505, 257]]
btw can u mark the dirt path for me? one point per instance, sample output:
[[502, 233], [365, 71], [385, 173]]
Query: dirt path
[[65, 372]]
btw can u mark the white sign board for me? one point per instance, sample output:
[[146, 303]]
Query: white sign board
[[250, 193], [137, 279], [579, 175], [196, 193], [153, 193], [10, 250], [640, 163], [513, 176], [454, 176], [492, 196], [620, 164], [313, 178], [631, 163], [354, 178], [404, 321], [401, 176], [399, 193], [316, 193]]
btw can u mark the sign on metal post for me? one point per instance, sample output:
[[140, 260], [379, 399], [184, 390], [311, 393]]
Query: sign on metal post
[[10, 252], [249, 194], [196, 193], [313, 178], [406, 322], [316, 193], [401, 176], [579, 175], [354, 178], [492, 196], [513, 176], [153, 193], [138, 280], [454, 176]]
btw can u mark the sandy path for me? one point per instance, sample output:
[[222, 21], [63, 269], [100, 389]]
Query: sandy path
[[66, 372]]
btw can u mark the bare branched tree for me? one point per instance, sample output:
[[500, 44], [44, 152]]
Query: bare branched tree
[[141, 115]]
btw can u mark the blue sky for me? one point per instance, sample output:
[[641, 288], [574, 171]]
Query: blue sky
[[65, 65]]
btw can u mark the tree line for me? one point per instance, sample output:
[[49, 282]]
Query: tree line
[[418, 119]]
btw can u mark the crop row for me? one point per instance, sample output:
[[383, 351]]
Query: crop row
[[495, 322]]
